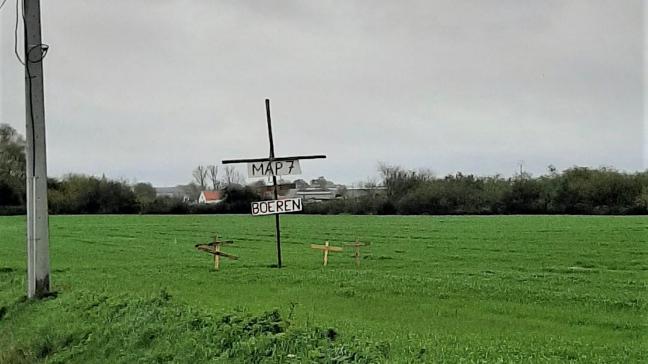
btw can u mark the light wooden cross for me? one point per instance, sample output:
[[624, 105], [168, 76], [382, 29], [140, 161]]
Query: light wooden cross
[[214, 248], [356, 250], [326, 248]]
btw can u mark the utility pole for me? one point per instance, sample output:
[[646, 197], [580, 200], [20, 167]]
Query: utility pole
[[38, 267]]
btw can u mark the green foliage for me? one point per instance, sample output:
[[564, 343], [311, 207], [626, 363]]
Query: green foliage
[[641, 202], [12, 167], [238, 199], [165, 205], [515, 289], [78, 194], [144, 195], [577, 190], [458, 194], [86, 328], [365, 205], [525, 196], [602, 191]]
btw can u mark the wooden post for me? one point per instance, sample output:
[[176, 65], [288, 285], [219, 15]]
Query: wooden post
[[356, 250], [217, 256], [326, 244], [214, 248], [326, 248], [274, 183], [357, 256]]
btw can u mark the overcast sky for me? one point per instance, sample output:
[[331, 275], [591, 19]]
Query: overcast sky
[[147, 90]]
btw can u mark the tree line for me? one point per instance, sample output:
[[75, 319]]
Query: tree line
[[80, 194], [577, 190]]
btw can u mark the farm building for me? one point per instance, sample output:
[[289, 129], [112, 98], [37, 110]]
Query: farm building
[[179, 192], [210, 197], [357, 192], [284, 190], [336, 192], [318, 194]]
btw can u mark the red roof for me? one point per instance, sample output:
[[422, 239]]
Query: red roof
[[212, 195]]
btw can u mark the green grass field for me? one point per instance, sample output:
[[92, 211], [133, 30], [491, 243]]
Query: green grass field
[[429, 289]]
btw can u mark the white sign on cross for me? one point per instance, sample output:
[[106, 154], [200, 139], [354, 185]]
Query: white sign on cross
[[273, 168], [276, 206]]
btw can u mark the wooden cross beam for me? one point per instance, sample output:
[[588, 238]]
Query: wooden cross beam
[[326, 248], [272, 167], [271, 159], [214, 248], [356, 250]]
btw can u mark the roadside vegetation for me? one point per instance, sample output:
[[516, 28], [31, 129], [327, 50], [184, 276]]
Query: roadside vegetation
[[85, 327]]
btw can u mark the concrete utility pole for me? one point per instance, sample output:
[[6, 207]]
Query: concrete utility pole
[[38, 268]]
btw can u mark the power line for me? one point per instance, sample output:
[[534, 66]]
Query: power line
[[16, 34], [3, 3], [43, 48]]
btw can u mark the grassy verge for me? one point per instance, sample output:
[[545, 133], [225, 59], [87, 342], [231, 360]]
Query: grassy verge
[[86, 328]]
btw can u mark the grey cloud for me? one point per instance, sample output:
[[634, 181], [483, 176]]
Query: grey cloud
[[148, 90]]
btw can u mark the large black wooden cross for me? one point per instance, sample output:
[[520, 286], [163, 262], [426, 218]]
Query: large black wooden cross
[[273, 167]]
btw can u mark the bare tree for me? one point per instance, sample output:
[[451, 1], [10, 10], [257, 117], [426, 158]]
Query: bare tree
[[399, 180], [12, 154], [321, 182], [370, 183], [190, 191], [200, 176], [212, 173], [301, 184], [232, 176]]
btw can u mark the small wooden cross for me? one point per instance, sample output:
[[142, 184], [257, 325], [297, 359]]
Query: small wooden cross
[[356, 250], [214, 248], [326, 248]]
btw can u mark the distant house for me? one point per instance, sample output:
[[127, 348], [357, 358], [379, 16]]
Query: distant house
[[166, 191], [178, 192], [317, 194], [210, 197]]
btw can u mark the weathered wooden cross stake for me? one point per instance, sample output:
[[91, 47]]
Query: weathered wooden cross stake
[[273, 167], [356, 250], [326, 248], [214, 248]]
